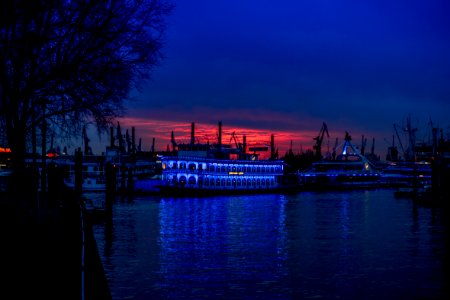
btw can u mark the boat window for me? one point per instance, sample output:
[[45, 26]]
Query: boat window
[[233, 169], [223, 182], [182, 166], [191, 167], [239, 169], [258, 169], [249, 182], [228, 169], [238, 181], [222, 169], [200, 181], [228, 182], [211, 168], [212, 181], [218, 181], [182, 180], [253, 182], [192, 180], [267, 181], [258, 181]]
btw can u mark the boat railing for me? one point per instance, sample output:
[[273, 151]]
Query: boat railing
[[224, 172]]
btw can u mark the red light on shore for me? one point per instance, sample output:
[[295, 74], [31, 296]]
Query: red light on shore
[[5, 150], [52, 154]]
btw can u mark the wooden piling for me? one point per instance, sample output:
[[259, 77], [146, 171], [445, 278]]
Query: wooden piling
[[78, 172], [130, 183], [111, 184]]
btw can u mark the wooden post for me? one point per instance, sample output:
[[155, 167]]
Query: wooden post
[[130, 185], [111, 184], [123, 178], [43, 159], [78, 172], [55, 184]]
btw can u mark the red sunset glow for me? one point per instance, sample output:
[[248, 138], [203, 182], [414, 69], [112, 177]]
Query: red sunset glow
[[161, 131], [301, 140]]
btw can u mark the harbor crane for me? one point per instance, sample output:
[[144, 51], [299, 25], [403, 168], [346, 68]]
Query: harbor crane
[[319, 139], [363, 145], [333, 154], [392, 152], [241, 147], [236, 142], [173, 142], [86, 140], [372, 149]]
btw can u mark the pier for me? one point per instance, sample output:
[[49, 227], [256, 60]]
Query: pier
[[48, 249]]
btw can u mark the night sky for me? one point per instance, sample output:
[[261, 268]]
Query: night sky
[[284, 67]]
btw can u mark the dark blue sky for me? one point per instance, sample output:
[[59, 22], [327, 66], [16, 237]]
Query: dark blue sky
[[289, 65]]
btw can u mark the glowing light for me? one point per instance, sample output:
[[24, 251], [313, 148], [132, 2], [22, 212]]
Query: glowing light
[[207, 133], [52, 154]]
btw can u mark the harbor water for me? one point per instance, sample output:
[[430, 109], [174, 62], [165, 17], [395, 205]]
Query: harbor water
[[327, 245]]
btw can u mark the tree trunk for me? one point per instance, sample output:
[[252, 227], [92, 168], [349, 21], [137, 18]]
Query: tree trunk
[[17, 141]]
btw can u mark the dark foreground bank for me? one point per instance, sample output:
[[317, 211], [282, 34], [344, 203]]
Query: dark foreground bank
[[47, 249]]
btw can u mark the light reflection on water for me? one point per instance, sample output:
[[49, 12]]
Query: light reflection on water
[[347, 245], [215, 245]]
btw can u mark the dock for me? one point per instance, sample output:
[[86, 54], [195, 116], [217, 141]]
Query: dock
[[49, 252]]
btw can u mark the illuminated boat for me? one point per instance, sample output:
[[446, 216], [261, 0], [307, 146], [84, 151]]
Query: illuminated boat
[[94, 170], [407, 174], [210, 175], [348, 170], [198, 169]]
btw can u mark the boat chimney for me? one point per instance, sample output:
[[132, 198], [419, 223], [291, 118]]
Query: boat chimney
[[192, 133], [244, 147], [272, 146], [172, 140], [153, 145], [220, 136]]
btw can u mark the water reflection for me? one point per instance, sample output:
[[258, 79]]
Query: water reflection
[[226, 247], [348, 245]]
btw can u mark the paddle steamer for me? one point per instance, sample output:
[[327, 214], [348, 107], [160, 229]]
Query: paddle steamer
[[211, 169]]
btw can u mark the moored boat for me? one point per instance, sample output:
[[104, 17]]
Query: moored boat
[[407, 174], [347, 170], [202, 175], [199, 169], [94, 170]]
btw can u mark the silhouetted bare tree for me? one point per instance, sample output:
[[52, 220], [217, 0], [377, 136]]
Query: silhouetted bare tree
[[64, 63]]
